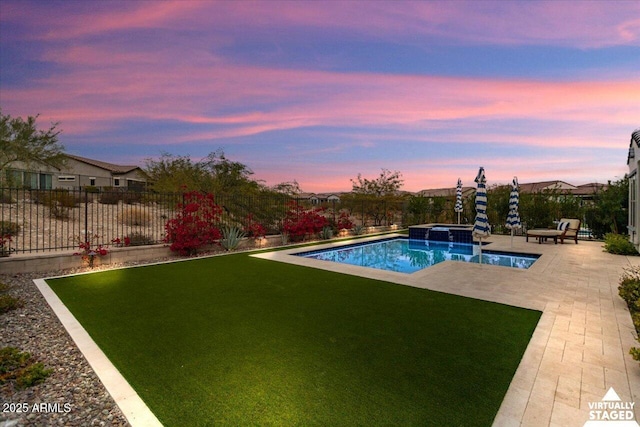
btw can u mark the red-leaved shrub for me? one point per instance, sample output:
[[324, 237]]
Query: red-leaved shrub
[[253, 228], [344, 221], [299, 222], [195, 225]]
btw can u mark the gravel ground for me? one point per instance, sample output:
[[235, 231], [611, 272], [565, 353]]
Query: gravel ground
[[34, 328], [81, 398]]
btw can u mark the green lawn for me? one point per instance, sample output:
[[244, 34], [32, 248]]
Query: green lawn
[[235, 340]]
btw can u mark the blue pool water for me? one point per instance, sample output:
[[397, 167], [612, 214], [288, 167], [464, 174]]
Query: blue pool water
[[408, 256]]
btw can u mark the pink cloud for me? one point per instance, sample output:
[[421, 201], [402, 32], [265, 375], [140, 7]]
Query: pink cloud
[[566, 23]]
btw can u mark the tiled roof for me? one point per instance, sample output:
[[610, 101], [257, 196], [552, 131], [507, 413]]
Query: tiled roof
[[535, 187], [104, 165], [444, 192]]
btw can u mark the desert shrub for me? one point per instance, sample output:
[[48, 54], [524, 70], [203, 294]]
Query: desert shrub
[[195, 224], [619, 244], [59, 201], [358, 229], [91, 189], [134, 216], [139, 239], [20, 368], [8, 227], [5, 197], [110, 196], [8, 303]]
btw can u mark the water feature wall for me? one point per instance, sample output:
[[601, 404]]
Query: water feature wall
[[452, 233]]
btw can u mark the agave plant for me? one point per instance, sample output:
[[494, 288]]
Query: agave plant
[[358, 230], [231, 237], [326, 233]]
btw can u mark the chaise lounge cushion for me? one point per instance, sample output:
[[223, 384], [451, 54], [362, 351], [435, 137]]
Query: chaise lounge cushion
[[571, 229]]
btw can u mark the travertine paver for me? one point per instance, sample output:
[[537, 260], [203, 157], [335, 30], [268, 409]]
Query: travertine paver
[[581, 345]]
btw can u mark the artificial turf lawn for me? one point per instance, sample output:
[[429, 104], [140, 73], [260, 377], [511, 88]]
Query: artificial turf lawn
[[235, 340]]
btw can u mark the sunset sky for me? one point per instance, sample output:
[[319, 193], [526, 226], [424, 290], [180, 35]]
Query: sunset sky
[[320, 91]]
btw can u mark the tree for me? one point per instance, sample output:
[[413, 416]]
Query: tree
[[175, 174], [227, 176], [387, 183], [609, 213], [378, 198], [213, 174], [289, 188], [21, 141]]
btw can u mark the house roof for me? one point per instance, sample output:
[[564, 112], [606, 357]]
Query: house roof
[[445, 192], [116, 169], [635, 138], [591, 188], [535, 187]]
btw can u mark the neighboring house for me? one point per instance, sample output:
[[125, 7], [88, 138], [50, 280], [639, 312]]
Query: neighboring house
[[78, 172], [319, 198], [633, 161]]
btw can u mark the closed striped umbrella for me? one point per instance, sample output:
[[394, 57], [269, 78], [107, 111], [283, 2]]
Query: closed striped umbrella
[[458, 206], [513, 219], [481, 224]]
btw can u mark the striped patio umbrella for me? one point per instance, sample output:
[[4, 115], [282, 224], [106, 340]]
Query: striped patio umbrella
[[481, 224], [458, 206], [513, 219]]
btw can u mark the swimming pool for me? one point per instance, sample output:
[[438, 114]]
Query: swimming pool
[[408, 256]]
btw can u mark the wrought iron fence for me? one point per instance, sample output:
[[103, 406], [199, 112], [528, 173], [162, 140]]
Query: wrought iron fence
[[60, 219], [49, 220]]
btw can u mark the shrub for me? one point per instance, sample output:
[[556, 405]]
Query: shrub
[[635, 352], [231, 237], [195, 224], [5, 244], [110, 196], [326, 233], [134, 216], [20, 368], [358, 230], [299, 223], [344, 221], [8, 303], [5, 197], [629, 288], [8, 227], [619, 244], [59, 201], [253, 229], [139, 239]]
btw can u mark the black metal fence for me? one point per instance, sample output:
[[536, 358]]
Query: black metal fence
[[60, 219]]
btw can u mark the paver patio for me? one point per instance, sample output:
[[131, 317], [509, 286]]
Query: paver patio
[[581, 345]]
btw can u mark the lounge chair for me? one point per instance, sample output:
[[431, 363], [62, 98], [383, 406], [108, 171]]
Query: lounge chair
[[570, 228], [567, 229]]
